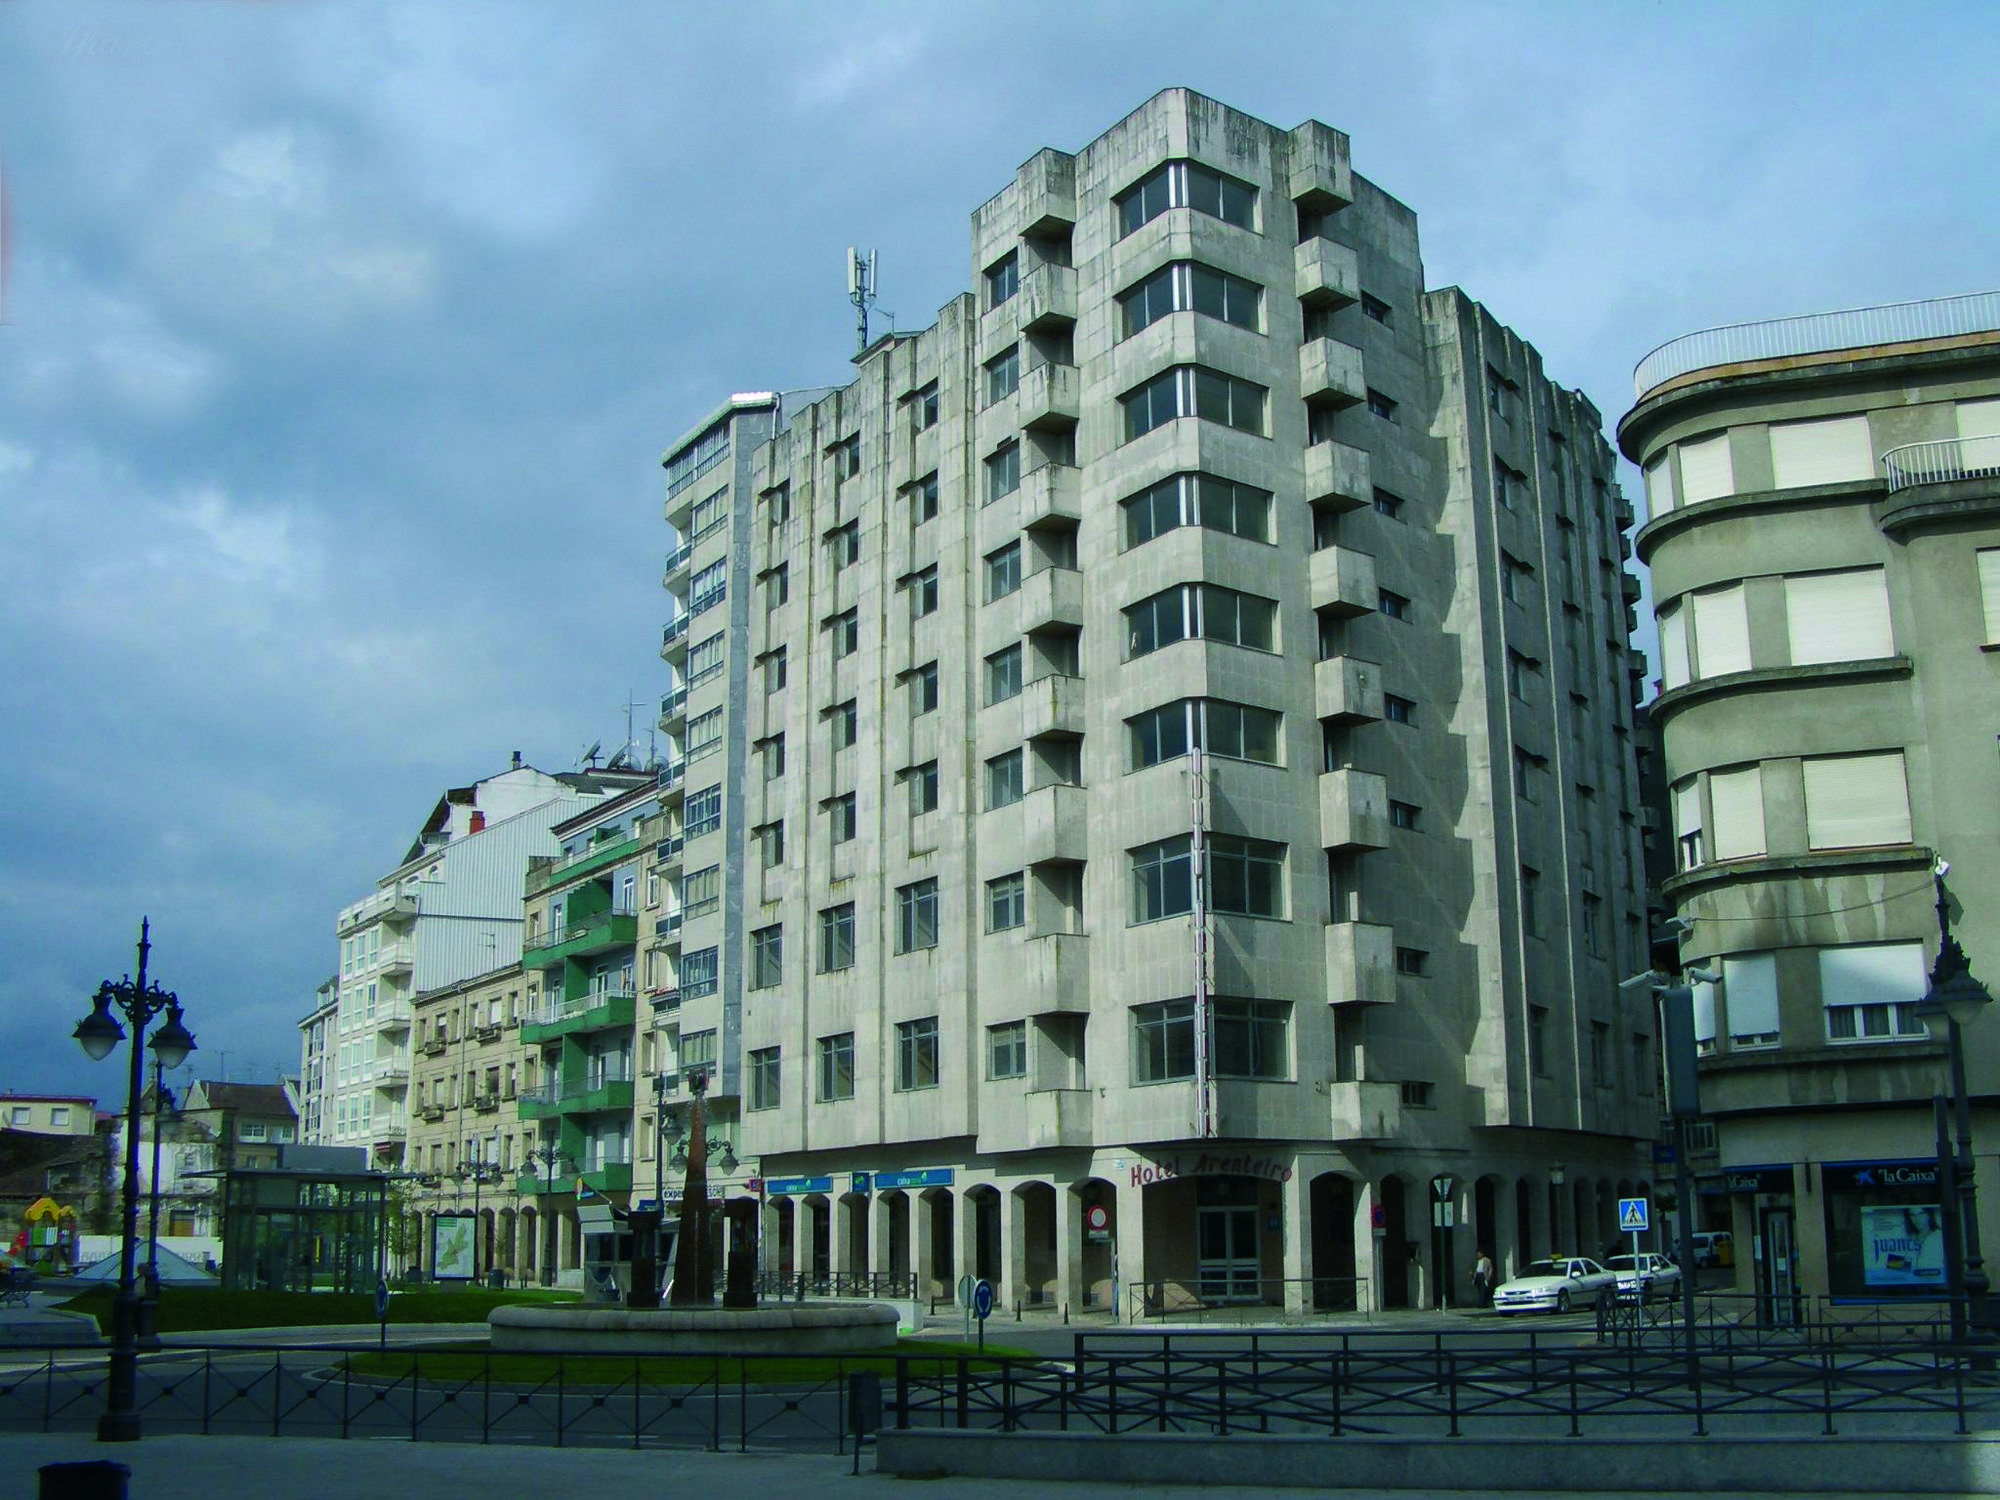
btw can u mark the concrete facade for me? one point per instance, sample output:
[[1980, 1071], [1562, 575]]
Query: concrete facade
[[1824, 541], [991, 1023]]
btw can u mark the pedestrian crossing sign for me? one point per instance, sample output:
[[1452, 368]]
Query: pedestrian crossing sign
[[1631, 1215]]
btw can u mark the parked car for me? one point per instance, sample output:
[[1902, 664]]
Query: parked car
[[1714, 1247], [1647, 1274], [1556, 1284]]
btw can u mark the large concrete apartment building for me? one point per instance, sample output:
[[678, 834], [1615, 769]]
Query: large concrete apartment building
[[1153, 813], [1824, 540]]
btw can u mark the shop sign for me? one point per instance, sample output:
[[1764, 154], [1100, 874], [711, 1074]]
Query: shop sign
[[1753, 1180], [1866, 1176], [779, 1187], [921, 1177], [1212, 1164]]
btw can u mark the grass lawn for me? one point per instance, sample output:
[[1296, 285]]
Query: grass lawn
[[194, 1310], [473, 1362]]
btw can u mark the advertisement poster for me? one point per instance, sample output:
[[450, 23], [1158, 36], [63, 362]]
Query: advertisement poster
[[451, 1249], [1902, 1246]]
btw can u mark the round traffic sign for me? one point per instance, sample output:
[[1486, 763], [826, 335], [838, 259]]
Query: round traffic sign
[[982, 1300], [381, 1299], [1097, 1218]]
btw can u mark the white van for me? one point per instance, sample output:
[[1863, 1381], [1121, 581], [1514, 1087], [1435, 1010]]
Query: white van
[[1714, 1247]]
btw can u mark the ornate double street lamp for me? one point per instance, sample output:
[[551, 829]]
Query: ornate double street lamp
[[149, 1306], [98, 1033], [478, 1171], [548, 1161], [1961, 1000]]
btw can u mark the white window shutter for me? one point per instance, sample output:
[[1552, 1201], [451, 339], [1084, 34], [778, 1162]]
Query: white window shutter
[[1659, 476], [1872, 974], [1721, 632], [1979, 435], [1705, 469], [1989, 590], [1750, 988], [1674, 646], [1854, 801], [1838, 616], [1833, 451], [1704, 1012], [1736, 811]]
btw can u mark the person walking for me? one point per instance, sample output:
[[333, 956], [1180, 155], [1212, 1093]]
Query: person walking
[[1482, 1280]]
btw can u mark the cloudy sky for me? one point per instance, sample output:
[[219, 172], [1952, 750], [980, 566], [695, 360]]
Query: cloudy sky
[[341, 341]]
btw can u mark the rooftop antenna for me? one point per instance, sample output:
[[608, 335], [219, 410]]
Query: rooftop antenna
[[861, 291]]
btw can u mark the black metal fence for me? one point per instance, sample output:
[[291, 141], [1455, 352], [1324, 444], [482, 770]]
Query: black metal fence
[[858, 1284], [1731, 1321], [1239, 1300]]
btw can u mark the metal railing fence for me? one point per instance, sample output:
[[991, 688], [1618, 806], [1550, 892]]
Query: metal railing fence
[[1941, 462], [1159, 1301], [859, 1284]]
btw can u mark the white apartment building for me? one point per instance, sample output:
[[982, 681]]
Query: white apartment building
[[1163, 735]]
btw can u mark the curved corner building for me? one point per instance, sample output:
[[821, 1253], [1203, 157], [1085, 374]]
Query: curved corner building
[[1824, 540]]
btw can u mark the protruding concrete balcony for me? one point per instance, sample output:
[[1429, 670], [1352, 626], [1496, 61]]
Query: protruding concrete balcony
[[1052, 705], [1052, 496], [1326, 275], [1347, 690], [1053, 974], [1343, 582], [1051, 397], [1628, 586], [1360, 963], [1053, 1118], [1321, 177], [1330, 373], [1353, 810], [1048, 298], [1055, 825], [1365, 1111], [1337, 477], [1052, 599], [1047, 185]]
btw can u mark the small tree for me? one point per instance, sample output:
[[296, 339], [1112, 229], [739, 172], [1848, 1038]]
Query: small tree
[[402, 1225]]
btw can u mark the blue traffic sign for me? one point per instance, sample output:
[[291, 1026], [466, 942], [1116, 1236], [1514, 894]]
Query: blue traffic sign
[[1631, 1215], [982, 1300]]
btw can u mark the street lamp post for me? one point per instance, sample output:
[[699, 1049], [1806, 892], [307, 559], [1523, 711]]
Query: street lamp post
[[98, 1033], [1961, 1000], [478, 1171], [149, 1307], [548, 1160]]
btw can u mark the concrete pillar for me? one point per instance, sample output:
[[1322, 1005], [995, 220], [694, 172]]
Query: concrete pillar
[[805, 1244], [1295, 1219], [1501, 1241], [965, 1243], [1013, 1286], [917, 1246], [770, 1247], [1129, 1243], [881, 1238], [839, 1235], [1542, 1234], [1069, 1248], [1367, 1247]]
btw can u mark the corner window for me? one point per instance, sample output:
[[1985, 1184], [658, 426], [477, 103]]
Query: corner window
[[1198, 500], [1186, 184], [1194, 391], [1237, 731], [1206, 611]]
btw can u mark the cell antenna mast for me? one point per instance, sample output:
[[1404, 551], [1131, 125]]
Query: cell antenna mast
[[861, 288]]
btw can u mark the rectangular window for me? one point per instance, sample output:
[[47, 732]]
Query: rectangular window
[[1838, 616], [764, 1078], [917, 916], [1186, 184], [1186, 286], [1007, 1050], [923, 781], [1163, 1041], [845, 629], [1162, 879], [841, 817], [924, 408], [1004, 780], [704, 659], [1393, 605], [1003, 571], [843, 546], [1538, 1040], [836, 1067], [1706, 473], [1398, 710], [1832, 450], [778, 505], [1403, 814], [1003, 472], [1531, 886], [1003, 280], [845, 722], [702, 812], [1198, 500], [1721, 632], [1521, 674], [1252, 1038], [924, 689], [1381, 405], [1003, 675], [1988, 562], [1375, 308], [777, 586], [1736, 812], [1411, 961], [1003, 375], [773, 750], [770, 838], [924, 495], [1200, 610], [917, 1054], [1687, 824], [1194, 391], [1856, 801], [708, 587], [701, 891], [767, 957], [1388, 505], [774, 670], [1006, 903], [1233, 730], [923, 592], [1750, 990], [836, 938], [1246, 877], [704, 733], [701, 973], [1871, 992]]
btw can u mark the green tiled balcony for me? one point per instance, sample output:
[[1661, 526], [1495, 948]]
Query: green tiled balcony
[[600, 1011], [530, 1183], [540, 1104], [592, 934], [613, 1177]]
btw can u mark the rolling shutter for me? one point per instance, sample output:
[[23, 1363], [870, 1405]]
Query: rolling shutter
[[1751, 992], [1736, 813], [1989, 590], [1838, 616], [1660, 485], [1855, 801], [1834, 451], [1721, 633], [1705, 470], [1704, 1016], [1687, 824], [1979, 434], [1872, 974], [1674, 646]]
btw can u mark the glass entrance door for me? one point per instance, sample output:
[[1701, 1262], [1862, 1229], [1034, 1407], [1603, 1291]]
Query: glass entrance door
[[1226, 1262], [1780, 1270]]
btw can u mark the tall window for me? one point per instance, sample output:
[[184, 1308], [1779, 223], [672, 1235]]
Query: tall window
[[1235, 730], [1162, 879], [1003, 675], [702, 812], [836, 938], [1003, 280], [845, 722], [843, 546], [767, 957], [1246, 877], [1187, 184], [1003, 571], [1252, 1038], [841, 815], [1003, 472], [708, 587], [1198, 500], [1194, 391], [1163, 1041], [700, 973], [1202, 610], [1007, 1050], [836, 1067], [917, 1054], [1006, 902], [704, 733], [923, 592], [1188, 287], [1004, 783], [923, 782], [923, 689], [1003, 375], [846, 631], [917, 916], [764, 1078], [705, 659]]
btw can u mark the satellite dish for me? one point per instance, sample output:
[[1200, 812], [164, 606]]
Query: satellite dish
[[590, 755]]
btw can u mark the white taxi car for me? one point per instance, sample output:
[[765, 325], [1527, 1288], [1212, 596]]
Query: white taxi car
[[1647, 1274], [1554, 1285]]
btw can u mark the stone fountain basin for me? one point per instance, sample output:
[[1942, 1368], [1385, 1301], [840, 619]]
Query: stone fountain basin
[[575, 1328]]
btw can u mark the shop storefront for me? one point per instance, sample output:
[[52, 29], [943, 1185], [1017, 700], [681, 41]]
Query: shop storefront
[[1884, 1229], [1759, 1207]]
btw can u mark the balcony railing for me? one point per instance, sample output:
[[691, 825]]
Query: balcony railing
[[1818, 333], [1941, 462]]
